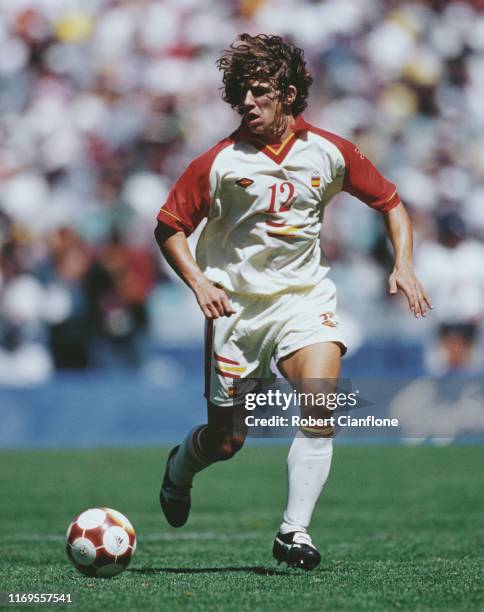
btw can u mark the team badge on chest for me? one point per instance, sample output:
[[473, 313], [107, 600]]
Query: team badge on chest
[[315, 179]]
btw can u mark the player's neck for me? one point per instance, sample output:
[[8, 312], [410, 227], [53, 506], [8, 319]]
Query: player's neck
[[280, 136]]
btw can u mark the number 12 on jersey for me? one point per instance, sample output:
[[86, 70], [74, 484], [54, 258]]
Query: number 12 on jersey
[[282, 197]]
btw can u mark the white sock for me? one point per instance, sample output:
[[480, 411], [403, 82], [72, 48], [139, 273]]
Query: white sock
[[188, 460], [308, 465]]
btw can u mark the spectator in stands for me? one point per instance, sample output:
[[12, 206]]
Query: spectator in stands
[[101, 106], [452, 268], [118, 283]]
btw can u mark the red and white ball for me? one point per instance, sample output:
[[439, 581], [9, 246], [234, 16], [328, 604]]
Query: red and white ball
[[100, 542]]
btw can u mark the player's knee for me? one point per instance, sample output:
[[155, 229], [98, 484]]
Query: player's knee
[[226, 447], [229, 446], [237, 443]]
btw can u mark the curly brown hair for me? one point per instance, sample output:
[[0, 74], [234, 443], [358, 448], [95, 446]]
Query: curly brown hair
[[264, 58]]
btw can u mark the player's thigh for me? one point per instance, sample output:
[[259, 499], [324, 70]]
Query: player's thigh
[[314, 370], [321, 360]]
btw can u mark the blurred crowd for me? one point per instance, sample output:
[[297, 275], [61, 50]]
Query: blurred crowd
[[104, 102]]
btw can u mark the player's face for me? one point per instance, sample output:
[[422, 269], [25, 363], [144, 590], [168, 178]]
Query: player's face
[[262, 108]]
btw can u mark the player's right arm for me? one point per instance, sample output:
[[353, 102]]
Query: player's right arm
[[213, 301], [187, 204]]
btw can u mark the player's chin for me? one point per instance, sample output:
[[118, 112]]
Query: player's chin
[[256, 127]]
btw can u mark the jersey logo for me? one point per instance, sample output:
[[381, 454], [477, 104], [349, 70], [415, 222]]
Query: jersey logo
[[244, 182], [315, 179]]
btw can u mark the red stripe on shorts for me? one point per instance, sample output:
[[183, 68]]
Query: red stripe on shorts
[[208, 357], [225, 359]]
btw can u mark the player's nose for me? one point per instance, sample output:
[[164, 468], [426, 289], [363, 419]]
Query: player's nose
[[248, 99]]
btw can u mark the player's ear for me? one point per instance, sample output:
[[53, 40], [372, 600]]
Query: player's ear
[[291, 95]]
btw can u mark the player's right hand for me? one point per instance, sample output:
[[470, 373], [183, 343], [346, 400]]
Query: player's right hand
[[213, 301]]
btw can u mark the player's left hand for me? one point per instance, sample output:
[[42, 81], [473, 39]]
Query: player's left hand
[[403, 278]]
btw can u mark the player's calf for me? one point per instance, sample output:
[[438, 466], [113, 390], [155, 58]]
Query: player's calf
[[203, 446], [184, 461]]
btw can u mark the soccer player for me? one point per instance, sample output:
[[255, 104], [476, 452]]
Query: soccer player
[[259, 276]]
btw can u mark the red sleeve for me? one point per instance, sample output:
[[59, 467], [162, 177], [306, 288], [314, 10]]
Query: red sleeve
[[189, 200], [362, 179]]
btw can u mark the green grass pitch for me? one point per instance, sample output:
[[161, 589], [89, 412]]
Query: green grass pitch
[[398, 528]]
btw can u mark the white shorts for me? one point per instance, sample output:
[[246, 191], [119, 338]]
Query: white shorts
[[265, 328]]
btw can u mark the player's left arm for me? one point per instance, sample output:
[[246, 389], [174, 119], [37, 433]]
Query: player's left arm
[[364, 181], [399, 229]]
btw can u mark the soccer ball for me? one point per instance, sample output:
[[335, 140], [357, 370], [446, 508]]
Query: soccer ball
[[100, 542]]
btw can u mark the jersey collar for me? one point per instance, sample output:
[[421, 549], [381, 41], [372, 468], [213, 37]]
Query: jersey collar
[[276, 152]]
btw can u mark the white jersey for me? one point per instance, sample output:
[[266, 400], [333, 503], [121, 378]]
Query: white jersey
[[264, 206]]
